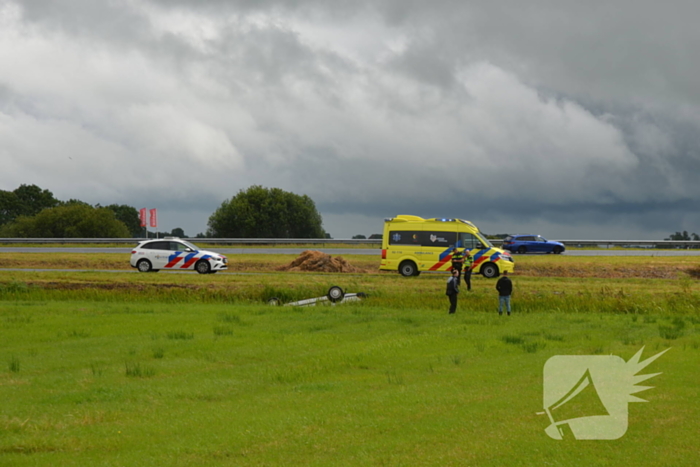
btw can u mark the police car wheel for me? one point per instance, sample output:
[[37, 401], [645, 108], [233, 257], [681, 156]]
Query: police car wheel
[[143, 265], [335, 294], [489, 270], [203, 267]]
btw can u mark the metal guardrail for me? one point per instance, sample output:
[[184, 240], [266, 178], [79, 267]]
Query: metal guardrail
[[332, 241]]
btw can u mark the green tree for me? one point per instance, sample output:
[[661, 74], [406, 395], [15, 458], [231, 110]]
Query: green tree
[[682, 236], [34, 199], [129, 215], [260, 212], [68, 221], [26, 200], [178, 232], [359, 237], [10, 206]]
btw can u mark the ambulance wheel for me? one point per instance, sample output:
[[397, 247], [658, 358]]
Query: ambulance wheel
[[144, 265], [335, 294], [489, 270], [203, 266], [408, 269]]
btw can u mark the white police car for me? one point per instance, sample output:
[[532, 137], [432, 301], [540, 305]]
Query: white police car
[[175, 254]]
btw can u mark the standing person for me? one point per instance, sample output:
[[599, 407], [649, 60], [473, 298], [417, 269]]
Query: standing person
[[453, 290], [505, 289], [457, 262], [468, 261]]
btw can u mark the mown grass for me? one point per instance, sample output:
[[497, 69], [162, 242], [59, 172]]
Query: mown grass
[[188, 370], [356, 384]]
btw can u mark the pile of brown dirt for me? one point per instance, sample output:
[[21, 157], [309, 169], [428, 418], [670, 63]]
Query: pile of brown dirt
[[311, 260]]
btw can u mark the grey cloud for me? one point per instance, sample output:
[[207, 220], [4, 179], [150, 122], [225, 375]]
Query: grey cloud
[[504, 112]]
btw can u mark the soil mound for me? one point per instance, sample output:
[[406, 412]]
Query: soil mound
[[311, 260]]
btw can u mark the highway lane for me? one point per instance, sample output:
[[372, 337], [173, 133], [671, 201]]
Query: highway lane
[[344, 251]]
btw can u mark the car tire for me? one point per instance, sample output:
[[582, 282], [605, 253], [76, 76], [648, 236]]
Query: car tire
[[144, 265], [489, 270], [274, 301], [203, 266], [557, 250], [408, 269], [522, 250], [335, 294]]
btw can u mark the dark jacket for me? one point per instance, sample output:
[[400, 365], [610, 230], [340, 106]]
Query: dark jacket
[[504, 286], [452, 286]]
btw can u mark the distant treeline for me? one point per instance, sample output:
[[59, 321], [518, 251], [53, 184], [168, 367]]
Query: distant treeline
[[257, 212]]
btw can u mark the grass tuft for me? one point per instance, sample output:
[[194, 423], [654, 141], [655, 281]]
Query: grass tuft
[[223, 331], [135, 370], [510, 339], [14, 365], [182, 335]]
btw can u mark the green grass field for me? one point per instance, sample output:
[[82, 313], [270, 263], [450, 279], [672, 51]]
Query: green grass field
[[120, 369]]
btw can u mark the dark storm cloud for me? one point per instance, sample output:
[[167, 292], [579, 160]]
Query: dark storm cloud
[[564, 115]]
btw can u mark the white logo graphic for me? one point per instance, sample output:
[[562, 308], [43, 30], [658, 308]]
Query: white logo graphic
[[586, 396]]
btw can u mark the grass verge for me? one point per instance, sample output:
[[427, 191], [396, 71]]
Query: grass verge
[[358, 384]]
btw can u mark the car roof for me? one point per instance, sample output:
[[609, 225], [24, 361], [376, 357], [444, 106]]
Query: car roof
[[143, 242]]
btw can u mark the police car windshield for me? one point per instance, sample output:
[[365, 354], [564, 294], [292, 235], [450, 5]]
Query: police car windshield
[[189, 245]]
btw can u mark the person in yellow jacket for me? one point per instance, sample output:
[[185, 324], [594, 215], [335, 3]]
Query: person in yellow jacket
[[468, 263]]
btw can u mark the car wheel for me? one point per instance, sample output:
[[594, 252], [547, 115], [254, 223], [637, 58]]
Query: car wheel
[[203, 266], [408, 268], [274, 301], [335, 294], [557, 250], [144, 265], [522, 250], [489, 270]]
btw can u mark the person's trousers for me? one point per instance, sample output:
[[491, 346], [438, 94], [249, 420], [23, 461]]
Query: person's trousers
[[468, 278], [453, 302], [503, 300]]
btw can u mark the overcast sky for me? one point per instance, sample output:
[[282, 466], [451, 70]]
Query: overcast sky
[[570, 119]]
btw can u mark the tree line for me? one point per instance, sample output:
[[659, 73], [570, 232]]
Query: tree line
[[683, 236], [32, 212], [257, 212]]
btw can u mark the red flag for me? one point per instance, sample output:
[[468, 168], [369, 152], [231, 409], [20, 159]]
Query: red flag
[[142, 216], [154, 218]]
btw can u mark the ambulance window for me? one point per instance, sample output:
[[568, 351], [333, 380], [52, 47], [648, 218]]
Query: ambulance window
[[439, 239], [404, 237], [470, 241]]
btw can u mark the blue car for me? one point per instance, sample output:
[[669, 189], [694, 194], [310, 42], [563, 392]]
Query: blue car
[[531, 244]]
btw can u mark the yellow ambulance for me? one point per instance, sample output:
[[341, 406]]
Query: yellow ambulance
[[411, 244]]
